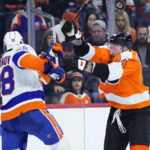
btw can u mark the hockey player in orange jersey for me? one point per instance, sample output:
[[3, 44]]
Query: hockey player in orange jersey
[[23, 108], [76, 95], [120, 73]]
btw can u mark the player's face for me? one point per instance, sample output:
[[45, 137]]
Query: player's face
[[77, 84], [115, 49]]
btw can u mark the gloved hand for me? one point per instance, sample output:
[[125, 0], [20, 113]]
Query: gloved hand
[[56, 73], [53, 51], [70, 31], [87, 66]]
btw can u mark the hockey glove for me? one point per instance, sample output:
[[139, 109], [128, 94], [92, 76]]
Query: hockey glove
[[55, 72], [71, 31], [54, 51], [87, 66]]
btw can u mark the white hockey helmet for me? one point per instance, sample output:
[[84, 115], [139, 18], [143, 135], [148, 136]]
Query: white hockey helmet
[[12, 39]]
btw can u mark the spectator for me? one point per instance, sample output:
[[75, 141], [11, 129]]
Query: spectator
[[76, 94], [19, 22], [92, 82], [147, 7], [142, 46], [123, 24], [68, 63], [76, 5], [91, 85], [98, 38], [98, 33], [55, 7], [90, 17], [127, 5], [47, 40], [46, 43], [143, 19], [122, 4], [53, 91]]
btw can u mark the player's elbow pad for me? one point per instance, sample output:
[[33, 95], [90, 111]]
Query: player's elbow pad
[[111, 72], [115, 71], [82, 49]]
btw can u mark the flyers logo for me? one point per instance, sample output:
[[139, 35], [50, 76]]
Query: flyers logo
[[124, 63]]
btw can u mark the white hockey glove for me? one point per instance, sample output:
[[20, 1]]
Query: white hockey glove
[[87, 66]]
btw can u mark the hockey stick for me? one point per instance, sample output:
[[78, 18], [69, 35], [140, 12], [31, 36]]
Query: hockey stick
[[80, 11]]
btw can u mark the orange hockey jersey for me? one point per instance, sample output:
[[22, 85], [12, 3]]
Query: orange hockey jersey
[[72, 98], [129, 92]]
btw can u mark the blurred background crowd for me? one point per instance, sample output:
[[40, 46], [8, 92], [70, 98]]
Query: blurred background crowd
[[79, 87]]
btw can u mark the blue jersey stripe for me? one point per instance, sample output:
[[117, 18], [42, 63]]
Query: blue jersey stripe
[[16, 58], [23, 97], [0, 129]]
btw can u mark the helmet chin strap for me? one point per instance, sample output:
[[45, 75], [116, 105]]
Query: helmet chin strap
[[122, 48]]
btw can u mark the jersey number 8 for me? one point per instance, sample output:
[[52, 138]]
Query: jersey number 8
[[7, 82]]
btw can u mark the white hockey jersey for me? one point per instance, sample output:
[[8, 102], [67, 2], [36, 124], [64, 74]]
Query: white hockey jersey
[[21, 90]]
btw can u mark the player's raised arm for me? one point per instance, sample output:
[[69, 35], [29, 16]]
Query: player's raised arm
[[82, 49]]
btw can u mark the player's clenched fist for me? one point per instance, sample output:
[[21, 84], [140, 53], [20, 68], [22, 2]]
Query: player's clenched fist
[[54, 51], [55, 72]]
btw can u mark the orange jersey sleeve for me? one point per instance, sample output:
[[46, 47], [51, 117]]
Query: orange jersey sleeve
[[98, 54], [30, 61], [102, 55]]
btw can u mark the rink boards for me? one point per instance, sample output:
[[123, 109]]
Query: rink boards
[[83, 125]]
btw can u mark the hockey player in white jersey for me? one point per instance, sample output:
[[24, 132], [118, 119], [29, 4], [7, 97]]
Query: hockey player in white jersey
[[23, 108]]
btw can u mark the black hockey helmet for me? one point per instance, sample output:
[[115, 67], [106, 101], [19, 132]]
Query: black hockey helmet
[[122, 38]]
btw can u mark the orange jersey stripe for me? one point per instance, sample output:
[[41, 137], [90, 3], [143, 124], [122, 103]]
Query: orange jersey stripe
[[139, 147], [35, 62], [52, 120], [22, 109], [130, 106]]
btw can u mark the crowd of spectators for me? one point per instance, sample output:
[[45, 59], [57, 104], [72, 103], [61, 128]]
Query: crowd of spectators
[[131, 16]]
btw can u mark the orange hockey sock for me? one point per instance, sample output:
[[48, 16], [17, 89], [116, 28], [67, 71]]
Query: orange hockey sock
[[139, 147]]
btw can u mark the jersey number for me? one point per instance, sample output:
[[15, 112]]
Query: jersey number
[[7, 81]]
